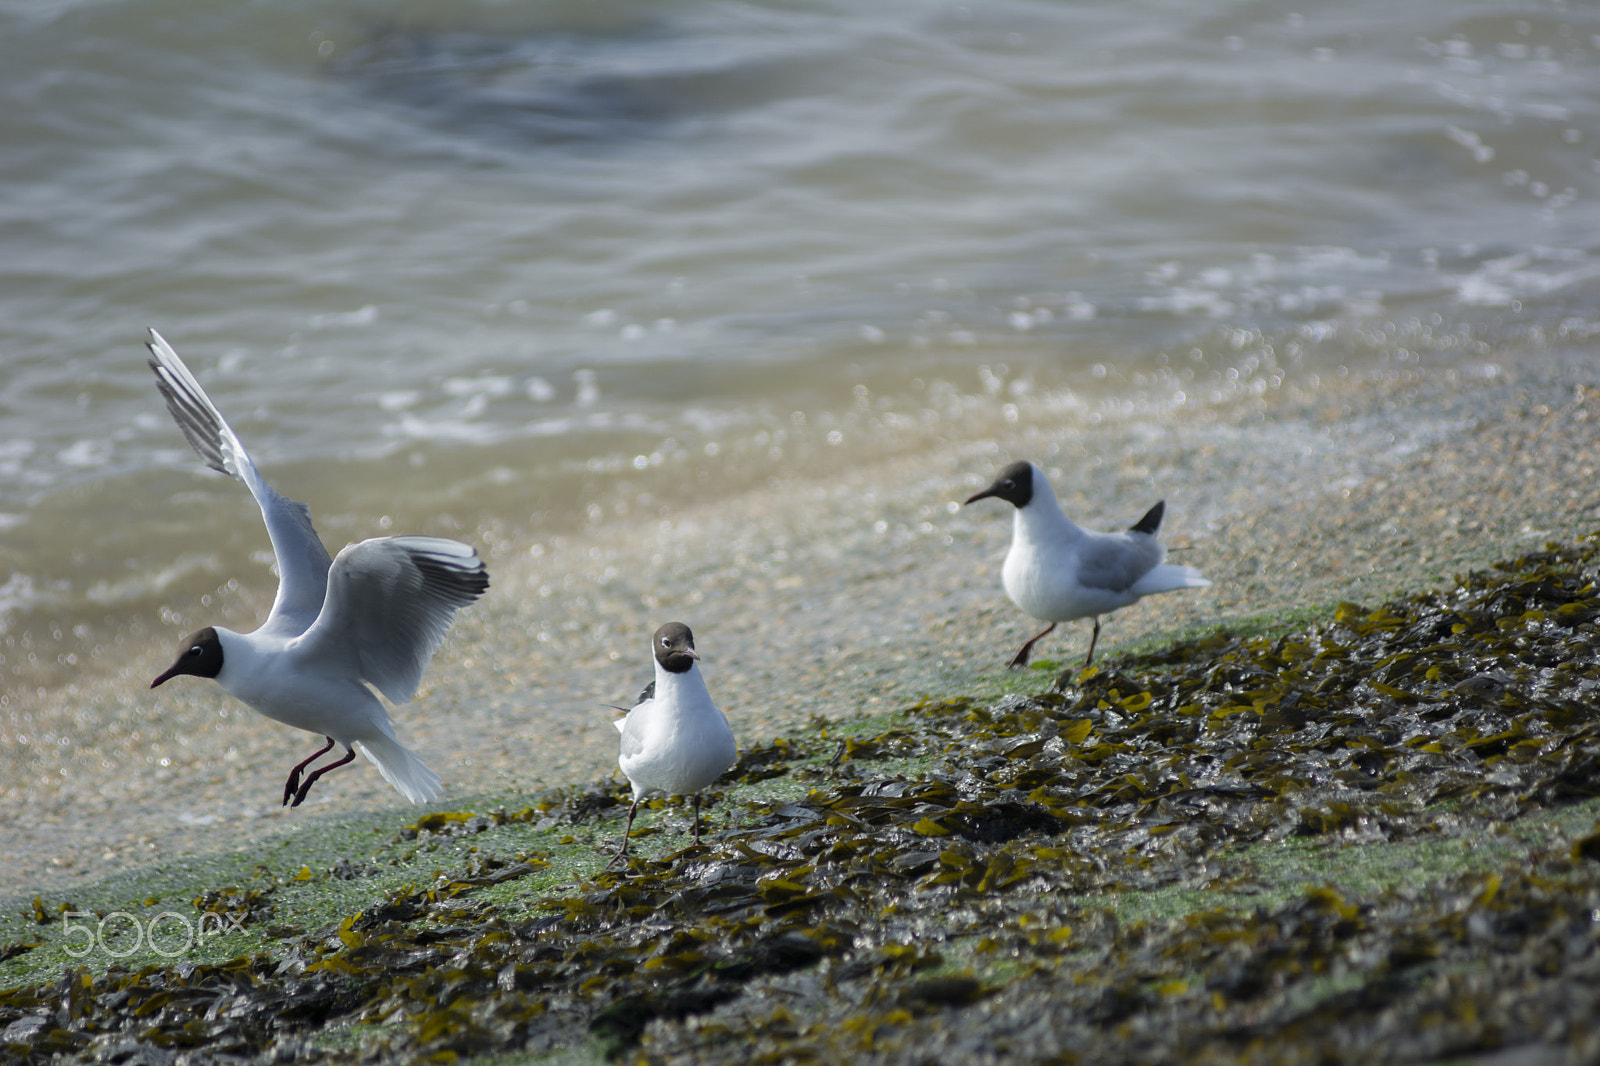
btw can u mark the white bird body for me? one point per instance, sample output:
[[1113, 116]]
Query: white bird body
[[677, 741], [373, 616], [287, 681], [1057, 571], [297, 683]]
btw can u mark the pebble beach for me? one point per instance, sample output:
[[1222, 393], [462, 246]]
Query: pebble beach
[[848, 591]]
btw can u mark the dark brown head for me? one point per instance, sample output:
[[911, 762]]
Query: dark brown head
[[200, 655], [1014, 485], [674, 646]]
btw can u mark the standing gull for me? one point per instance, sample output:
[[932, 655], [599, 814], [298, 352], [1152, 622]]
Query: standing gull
[[373, 616], [675, 741], [1057, 571]]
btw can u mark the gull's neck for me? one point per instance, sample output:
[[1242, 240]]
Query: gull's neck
[[1041, 518], [241, 659], [681, 692]]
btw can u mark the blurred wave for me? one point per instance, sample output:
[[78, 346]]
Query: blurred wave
[[484, 259]]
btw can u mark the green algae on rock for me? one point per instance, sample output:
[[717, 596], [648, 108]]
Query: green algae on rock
[[1371, 840]]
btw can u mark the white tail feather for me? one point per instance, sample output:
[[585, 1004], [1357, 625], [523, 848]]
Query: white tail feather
[[1167, 578], [401, 767]]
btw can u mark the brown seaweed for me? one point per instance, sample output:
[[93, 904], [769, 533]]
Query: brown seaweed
[[1183, 856]]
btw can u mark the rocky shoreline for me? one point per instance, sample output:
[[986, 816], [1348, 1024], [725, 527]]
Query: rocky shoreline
[[1373, 838], [839, 591]]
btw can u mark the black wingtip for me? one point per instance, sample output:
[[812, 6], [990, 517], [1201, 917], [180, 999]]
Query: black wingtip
[[461, 585], [1151, 520]]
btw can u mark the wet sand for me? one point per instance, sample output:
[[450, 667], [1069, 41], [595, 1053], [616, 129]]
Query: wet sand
[[845, 590]]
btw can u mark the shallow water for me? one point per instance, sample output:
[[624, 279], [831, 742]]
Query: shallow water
[[543, 276]]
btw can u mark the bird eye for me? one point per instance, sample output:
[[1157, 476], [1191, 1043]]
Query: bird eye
[[197, 650]]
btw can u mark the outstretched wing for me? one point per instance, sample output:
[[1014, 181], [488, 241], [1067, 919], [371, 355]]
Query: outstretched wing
[[302, 560], [390, 602]]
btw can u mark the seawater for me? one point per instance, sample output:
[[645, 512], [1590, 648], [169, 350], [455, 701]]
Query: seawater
[[518, 273]]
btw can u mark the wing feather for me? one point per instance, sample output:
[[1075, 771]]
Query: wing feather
[[302, 560], [390, 603], [632, 744], [1115, 561]]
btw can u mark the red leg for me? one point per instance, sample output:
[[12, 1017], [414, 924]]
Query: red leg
[[311, 778], [697, 819], [1087, 659], [623, 854], [291, 786], [1021, 658]]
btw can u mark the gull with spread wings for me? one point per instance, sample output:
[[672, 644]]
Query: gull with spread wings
[[373, 616]]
